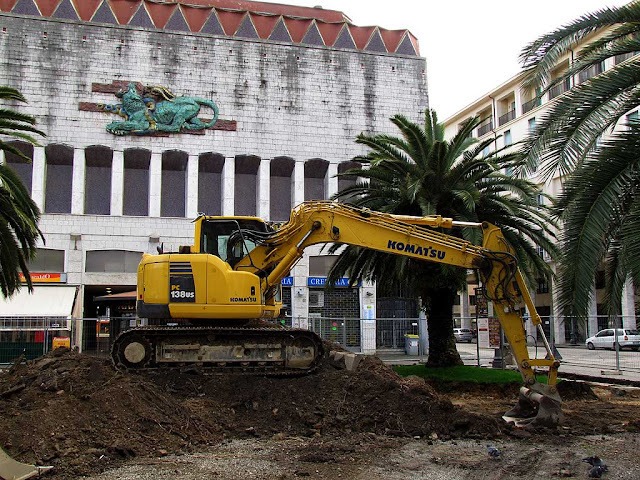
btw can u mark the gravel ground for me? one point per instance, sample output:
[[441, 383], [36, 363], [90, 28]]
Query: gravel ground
[[392, 459]]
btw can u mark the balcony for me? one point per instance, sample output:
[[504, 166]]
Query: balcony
[[591, 72], [485, 128], [531, 104], [507, 117], [558, 90], [621, 58]]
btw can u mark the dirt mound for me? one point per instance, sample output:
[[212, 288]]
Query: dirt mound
[[76, 412], [372, 399], [80, 415]]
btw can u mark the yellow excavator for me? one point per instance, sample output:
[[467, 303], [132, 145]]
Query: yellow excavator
[[199, 300]]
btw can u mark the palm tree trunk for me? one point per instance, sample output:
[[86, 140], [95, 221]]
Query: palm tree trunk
[[442, 344]]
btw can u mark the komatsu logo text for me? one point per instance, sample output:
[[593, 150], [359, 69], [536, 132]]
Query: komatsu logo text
[[243, 299], [428, 252]]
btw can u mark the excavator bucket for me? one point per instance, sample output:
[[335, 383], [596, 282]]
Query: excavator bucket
[[11, 469], [535, 410]]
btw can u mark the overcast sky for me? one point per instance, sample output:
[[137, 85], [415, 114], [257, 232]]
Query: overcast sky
[[471, 46]]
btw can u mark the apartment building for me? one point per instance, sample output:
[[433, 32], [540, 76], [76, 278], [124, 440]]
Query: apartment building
[[508, 114]]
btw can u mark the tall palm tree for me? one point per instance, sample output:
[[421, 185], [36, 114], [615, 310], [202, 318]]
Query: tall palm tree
[[420, 173], [19, 215], [600, 204]]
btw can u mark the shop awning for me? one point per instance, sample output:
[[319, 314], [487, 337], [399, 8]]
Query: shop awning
[[44, 301]]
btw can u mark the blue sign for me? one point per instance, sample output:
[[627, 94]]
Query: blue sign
[[321, 281], [287, 282]]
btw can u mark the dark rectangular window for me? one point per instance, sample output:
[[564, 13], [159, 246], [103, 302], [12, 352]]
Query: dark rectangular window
[[136, 182], [280, 199], [174, 184], [280, 192], [245, 194], [23, 169], [246, 184], [59, 175], [47, 261], [117, 261], [543, 286], [315, 172], [319, 266], [314, 189], [210, 183], [97, 190]]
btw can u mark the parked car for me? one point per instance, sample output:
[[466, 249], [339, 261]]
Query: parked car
[[463, 334], [627, 338]]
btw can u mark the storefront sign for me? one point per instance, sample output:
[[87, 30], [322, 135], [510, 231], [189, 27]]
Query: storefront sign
[[61, 342], [45, 277], [482, 307], [321, 281], [489, 332], [495, 333], [287, 282], [483, 332]]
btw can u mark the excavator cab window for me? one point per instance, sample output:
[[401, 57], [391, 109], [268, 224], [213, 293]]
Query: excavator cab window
[[215, 235]]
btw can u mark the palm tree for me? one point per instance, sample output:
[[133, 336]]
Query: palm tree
[[420, 173], [19, 215], [599, 205]]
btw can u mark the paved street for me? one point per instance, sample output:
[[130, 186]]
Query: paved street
[[575, 359]]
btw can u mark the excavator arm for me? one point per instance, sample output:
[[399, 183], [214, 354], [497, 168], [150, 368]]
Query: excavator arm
[[329, 222]]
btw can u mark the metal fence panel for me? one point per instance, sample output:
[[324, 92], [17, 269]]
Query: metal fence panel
[[34, 337], [343, 331], [390, 332]]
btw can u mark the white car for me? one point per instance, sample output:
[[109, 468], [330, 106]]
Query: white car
[[627, 338], [463, 334]]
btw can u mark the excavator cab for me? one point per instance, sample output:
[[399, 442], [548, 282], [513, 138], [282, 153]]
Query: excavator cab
[[224, 238]]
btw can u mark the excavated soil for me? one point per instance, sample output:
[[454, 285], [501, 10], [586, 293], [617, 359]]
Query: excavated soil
[[78, 414]]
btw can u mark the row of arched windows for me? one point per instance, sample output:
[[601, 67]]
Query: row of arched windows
[[136, 181]]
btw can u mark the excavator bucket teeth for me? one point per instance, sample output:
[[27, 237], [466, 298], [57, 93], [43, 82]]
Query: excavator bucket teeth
[[535, 410]]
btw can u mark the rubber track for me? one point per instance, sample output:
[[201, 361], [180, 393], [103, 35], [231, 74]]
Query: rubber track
[[213, 369]]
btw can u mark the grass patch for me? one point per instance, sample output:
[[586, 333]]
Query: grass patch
[[464, 373]]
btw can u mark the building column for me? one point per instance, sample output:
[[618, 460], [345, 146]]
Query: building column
[[530, 328], [556, 313], [117, 183], [192, 186], [39, 176], [519, 102], [155, 185], [465, 317], [332, 180], [297, 191], [228, 186], [300, 293], [263, 191], [628, 305], [559, 336], [77, 182]]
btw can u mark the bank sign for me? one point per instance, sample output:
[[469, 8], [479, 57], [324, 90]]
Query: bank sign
[[321, 281]]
